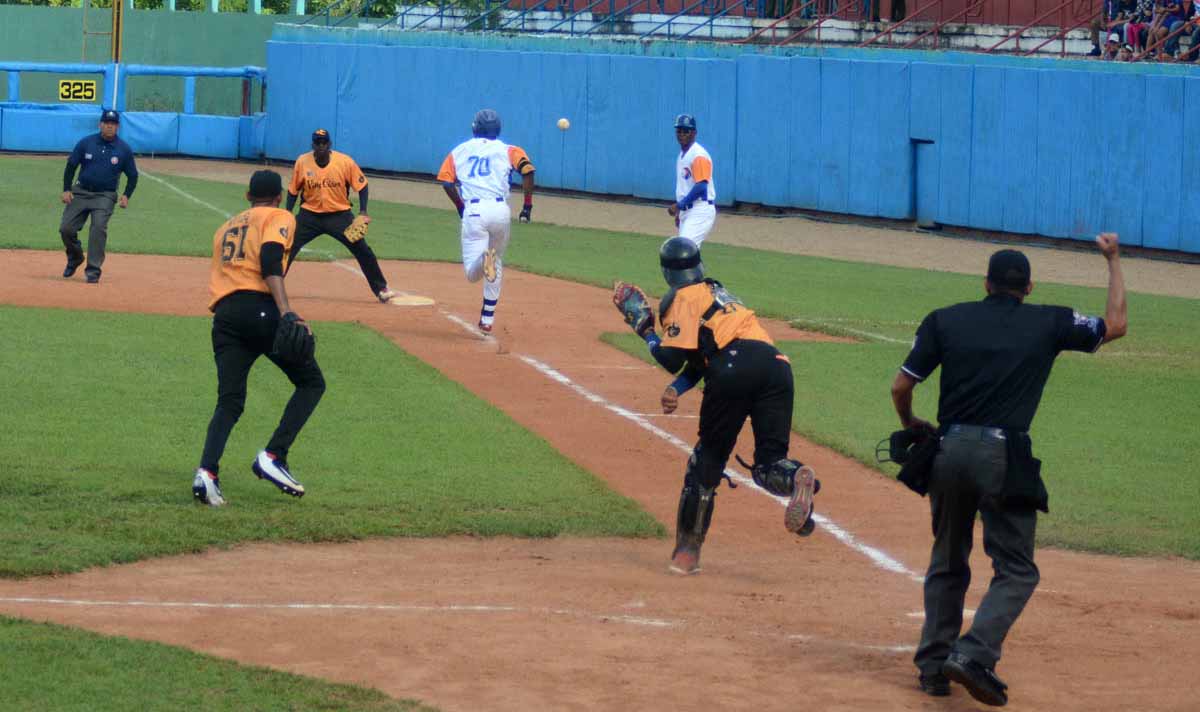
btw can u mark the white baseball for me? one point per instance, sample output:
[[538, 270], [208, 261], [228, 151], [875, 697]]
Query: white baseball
[[564, 124]]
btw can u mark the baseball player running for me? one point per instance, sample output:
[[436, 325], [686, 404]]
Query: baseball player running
[[475, 176], [694, 208], [707, 333], [323, 179], [250, 314]]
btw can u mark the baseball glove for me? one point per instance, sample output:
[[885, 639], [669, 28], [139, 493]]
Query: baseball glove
[[294, 343], [631, 301], [357, 229]]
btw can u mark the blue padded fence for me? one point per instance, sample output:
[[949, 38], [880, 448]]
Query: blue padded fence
[[994, 146], [57, 127]]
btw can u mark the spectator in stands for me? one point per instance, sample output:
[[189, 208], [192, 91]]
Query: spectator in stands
[[1192, 13], [1126, 53], [1138, 25], [1111, 48], [1169, 30], [1112, 18]]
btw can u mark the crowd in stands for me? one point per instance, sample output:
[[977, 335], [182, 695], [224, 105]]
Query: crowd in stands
[[1147, 29]]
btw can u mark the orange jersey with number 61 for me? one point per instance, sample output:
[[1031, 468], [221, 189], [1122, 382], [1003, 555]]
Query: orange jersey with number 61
[[237, 246]]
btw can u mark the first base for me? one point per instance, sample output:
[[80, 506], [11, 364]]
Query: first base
[[410, 300]]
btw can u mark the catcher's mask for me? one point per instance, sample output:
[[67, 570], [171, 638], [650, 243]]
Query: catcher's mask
[[680, 261], [486, 124], [898, 447]]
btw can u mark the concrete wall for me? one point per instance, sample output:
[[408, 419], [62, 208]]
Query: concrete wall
[[1009, 148]]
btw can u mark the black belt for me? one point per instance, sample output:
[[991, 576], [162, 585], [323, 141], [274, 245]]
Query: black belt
[[83, 187], [976, 432], [476, 200]]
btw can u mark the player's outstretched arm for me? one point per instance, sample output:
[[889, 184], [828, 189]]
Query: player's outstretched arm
[[1116, 313]]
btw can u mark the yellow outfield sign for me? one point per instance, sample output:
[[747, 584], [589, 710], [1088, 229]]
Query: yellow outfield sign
[[76, 89]]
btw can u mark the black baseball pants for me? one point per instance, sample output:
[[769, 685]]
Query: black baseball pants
[[310, 226], [968, 475], [745, 379], [243, 329], [84, 203]]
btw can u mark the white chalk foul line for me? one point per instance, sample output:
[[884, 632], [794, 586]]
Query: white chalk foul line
[[877, 557], [389, 607], [186, 194]]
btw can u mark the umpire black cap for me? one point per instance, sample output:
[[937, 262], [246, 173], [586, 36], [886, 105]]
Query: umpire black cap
[[685, 121], [110, 117], [1009, 269], [679, 258], [265, 184]]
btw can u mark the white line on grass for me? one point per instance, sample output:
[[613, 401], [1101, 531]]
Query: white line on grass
[[186, 194]]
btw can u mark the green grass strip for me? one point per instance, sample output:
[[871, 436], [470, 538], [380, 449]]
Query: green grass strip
[[49, 667]]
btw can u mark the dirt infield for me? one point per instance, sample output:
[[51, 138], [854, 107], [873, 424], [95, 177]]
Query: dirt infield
[[773, 623]]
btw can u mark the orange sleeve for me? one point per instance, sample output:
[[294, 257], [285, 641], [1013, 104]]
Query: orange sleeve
[[354, 175], [297, 177], [519, 160], [280, 228], [446, 173], [681, 323], [701, 169]]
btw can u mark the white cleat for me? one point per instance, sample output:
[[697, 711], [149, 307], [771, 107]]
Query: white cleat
[[275, 471], [206, 488]]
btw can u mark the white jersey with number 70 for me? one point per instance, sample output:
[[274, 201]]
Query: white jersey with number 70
[[481, 167]]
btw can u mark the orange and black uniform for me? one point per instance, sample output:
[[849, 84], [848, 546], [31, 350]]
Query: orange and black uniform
[[324, 193], [711, 335], [246, 249]]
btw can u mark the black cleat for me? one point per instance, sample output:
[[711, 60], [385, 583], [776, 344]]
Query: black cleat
[[69, 270], [935, 685], [93, 279], [981, 682]]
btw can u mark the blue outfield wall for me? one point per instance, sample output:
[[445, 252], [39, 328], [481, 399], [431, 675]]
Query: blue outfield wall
[[990, 146]]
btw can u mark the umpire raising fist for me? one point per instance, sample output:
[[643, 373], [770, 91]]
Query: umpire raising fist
[[103, 158], [996, 355]]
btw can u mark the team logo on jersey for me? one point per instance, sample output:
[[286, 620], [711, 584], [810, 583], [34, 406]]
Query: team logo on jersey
[[308, 173], [673, 330], [87, 156], [687, 173], [283, 232], [1091, 322], [113, 160]]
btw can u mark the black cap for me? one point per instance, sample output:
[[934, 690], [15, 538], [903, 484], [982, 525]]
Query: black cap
[[1009, 269], [110, 116], [265, 184], [321, 135], [685, 121]]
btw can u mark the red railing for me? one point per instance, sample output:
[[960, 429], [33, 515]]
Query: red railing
[[897, 25], [1016, 34], [937, 27], [1159, 43], [784, 18], [1062, 33]]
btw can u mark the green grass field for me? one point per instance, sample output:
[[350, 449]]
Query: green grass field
[[48, 667], [1114, 430]]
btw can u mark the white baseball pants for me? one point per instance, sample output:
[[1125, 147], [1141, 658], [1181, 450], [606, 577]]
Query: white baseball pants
[[486, 223], [695, 224]]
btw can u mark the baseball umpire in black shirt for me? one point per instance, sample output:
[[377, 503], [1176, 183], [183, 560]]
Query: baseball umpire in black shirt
[[996, 355]]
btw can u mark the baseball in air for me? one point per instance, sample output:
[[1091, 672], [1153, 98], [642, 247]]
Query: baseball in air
[[564, 124]]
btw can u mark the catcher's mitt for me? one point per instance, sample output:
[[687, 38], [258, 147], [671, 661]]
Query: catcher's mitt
[[357, 229], [634, 306], [294, 343]]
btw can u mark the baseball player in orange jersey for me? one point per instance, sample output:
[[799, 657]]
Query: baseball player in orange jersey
[[323, 179], [248, 303], [694, 208], [475, 176]]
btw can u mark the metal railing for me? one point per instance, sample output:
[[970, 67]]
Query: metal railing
[[1153, 46], [1062, 33], [687, 9]]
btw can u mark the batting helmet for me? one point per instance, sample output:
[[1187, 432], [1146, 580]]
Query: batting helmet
[[486, 124], [685, 121], [680, 261]]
